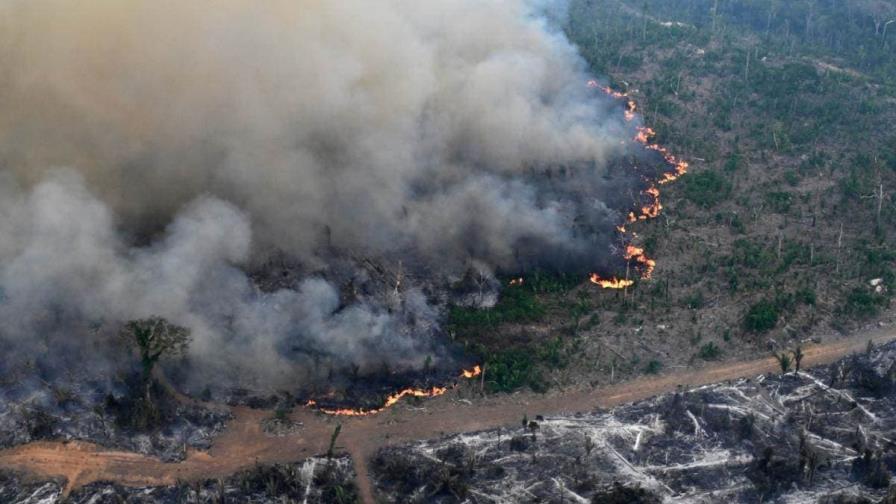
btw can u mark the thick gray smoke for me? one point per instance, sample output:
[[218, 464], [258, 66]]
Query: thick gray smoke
[[152, 151]]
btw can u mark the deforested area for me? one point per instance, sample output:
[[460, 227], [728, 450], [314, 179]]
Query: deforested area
[[317, 480], [802, 435], [311, 251]]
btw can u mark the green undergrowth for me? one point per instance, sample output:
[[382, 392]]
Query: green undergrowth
[[515, 358]]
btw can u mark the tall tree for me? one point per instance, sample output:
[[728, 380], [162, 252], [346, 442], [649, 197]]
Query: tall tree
[[156, 337]]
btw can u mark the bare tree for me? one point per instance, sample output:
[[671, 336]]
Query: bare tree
[[797, 358], [715, 14], [156, 337], [883, 37], [589, 445], [839, 246]]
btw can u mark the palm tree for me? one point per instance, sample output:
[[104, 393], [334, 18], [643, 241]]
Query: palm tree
[[783, 361]]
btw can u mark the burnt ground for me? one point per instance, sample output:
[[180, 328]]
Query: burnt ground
[[102, 410], [315, 480], [820, 435], [247, 442]]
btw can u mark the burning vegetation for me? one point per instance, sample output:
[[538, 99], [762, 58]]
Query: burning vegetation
[[637, 262], [635, 256], [392, 399], [309, 233]]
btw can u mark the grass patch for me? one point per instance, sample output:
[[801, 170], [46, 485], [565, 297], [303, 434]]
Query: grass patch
[[513, 363]]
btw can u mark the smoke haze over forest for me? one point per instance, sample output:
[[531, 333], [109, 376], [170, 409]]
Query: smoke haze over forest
[[151, 152]]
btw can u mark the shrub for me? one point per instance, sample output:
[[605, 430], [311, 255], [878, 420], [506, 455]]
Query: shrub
[[733, 163], [517, 304], [709, 351], [784, 361], [751, 255], [512, 369], [779, 201], [860, 303], [695, 301], [792, 178], [551, 353], [543, 282], [762, 316], [706, 189], [806, 295]]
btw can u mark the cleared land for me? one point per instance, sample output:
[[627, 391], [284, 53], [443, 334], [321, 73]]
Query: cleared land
[[244, 442]]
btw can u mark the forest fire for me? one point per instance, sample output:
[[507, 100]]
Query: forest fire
[[644, 134], [681, 167], [636, 257], [611, 283], [392, 399], [643, 263], [651, 210], [630, 108], [472, 373]]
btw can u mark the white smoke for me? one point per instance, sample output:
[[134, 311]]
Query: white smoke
[[197, 137], [70, 258]]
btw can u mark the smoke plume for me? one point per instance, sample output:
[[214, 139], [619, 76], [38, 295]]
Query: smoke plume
[[153, 152]]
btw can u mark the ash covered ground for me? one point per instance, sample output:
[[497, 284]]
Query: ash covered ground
[[824, 435], [101, 409], [316, 480]]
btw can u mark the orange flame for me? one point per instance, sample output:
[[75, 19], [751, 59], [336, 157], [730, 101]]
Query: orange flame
[[644, 263], [653, 208], [472, 373], [611, 283], [516, 281], [644, 134], [680, 167], [630, 106], [393, 399]]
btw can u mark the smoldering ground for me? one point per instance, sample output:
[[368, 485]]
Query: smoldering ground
[[154, 151]]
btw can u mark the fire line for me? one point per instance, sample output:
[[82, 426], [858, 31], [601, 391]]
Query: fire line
[[393, 399], [636, 255]]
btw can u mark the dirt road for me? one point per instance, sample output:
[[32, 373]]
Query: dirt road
[[244, 443]]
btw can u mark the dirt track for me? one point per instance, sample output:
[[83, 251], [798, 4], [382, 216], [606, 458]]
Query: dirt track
[[244, 443]]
